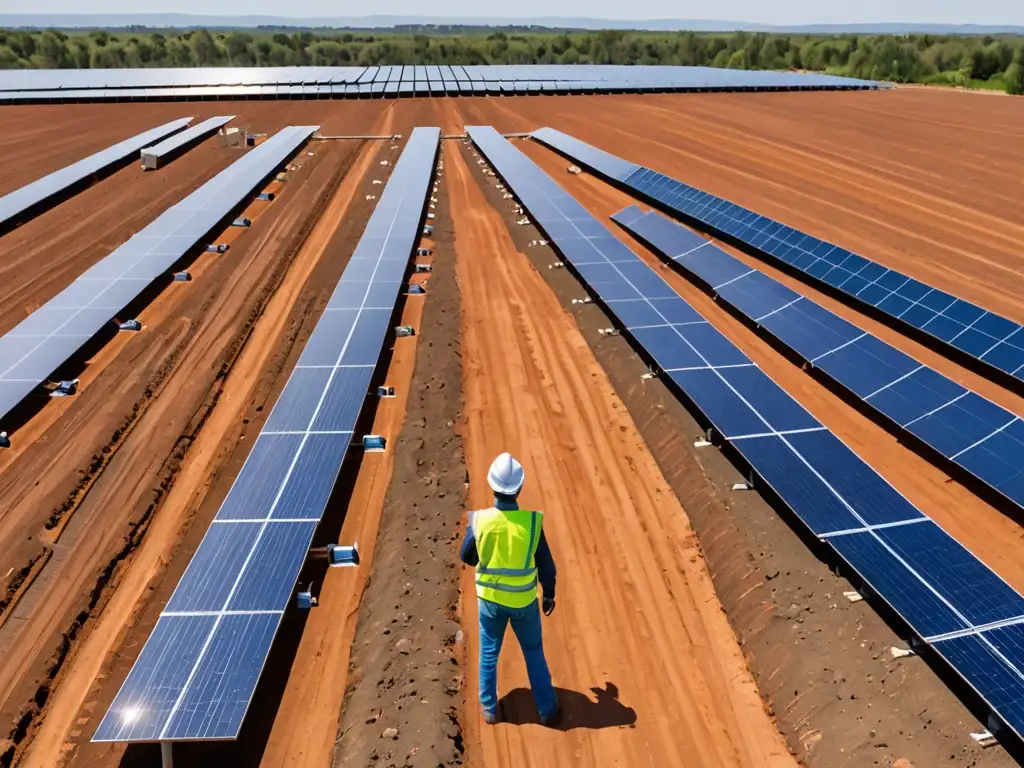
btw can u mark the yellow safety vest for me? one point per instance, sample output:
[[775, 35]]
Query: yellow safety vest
[[506, 543]]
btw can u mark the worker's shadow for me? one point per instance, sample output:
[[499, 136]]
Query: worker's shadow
[[602, 709]]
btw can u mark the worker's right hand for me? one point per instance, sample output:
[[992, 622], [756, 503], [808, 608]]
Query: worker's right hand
[[547, 605]]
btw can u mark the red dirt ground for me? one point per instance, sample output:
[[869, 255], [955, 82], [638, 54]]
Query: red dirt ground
[[924, 181]]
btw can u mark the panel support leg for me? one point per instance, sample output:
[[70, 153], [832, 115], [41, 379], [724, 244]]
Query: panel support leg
[[166, 756]]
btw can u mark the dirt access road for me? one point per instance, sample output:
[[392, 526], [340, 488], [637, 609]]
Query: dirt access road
[[648, 668]]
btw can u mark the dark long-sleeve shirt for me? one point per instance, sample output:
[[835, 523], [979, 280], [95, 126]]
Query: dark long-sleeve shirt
[[543, 558]]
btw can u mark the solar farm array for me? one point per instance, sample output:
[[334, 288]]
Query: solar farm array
[[951, 324], [392, 81], [965, 612], [198, 671], [47, 338], [979, 436]]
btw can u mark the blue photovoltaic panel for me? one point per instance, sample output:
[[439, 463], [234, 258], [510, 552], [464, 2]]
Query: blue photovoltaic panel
[[979, 436], [223, 678], [150, 694], [923, 608], [931, 580], [196, 675], [952, 324], [176, 142], [997, 677], [47, 338], [17, 206]]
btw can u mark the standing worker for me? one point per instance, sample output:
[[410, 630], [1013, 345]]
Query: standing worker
[[507, 547]]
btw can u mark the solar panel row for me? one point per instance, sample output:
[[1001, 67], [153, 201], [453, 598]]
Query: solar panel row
[[395, 81], [20, 205], [154, 155], [984, 439], [197, 673], [952, 324], [945, 594], [48, 337]]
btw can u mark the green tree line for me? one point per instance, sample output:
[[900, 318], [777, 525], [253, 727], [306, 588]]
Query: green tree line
[[988, 62]]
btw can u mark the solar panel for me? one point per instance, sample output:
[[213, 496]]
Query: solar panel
[[152, 156], [19, 206], [197, 673], [939, 588], [977, 435], [951, 324], [48, 337], [66, 85]]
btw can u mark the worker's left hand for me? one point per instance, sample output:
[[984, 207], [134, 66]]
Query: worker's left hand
[[547, 605]]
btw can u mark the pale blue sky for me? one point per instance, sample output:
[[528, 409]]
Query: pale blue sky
[[763, 11]]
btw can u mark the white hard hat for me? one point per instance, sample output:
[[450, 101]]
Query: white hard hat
[[506, 475]]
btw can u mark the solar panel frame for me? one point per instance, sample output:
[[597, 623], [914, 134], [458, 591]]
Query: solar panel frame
[[958, 328], [274, 506], [886, 568]]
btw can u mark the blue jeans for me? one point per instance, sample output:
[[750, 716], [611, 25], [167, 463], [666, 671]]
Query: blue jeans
[[526, 624]]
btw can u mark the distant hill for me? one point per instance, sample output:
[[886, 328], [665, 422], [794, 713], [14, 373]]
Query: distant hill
[[184, 21]]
